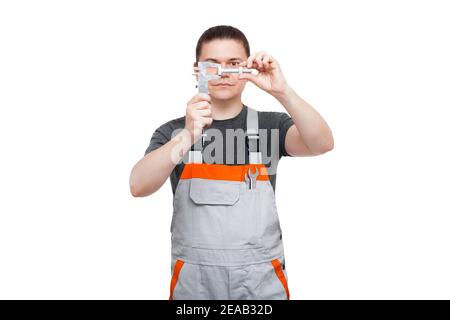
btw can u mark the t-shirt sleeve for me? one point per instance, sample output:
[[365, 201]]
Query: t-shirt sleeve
[[284, 123], [158, 139]]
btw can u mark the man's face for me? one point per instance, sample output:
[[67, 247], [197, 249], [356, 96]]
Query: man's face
[[229, 53]]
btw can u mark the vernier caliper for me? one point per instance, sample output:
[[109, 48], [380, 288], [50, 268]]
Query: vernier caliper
[[207, 71], [213, 71]]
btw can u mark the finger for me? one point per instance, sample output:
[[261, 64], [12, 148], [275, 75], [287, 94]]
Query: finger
[[200, 97], [201, 105], [258, 59], [207, 121], [204, 112], [255, 66], [204, 97], [204, 121], [247, 76], [273, 63], [254, 62], [251, 59], [266, 62]]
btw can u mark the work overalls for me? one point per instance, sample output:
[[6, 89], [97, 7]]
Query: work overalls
[[226, 236]]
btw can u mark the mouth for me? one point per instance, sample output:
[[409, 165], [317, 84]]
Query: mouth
[[223, 85]]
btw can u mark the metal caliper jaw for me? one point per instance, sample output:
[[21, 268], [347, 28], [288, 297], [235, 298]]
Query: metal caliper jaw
[[205, 76]]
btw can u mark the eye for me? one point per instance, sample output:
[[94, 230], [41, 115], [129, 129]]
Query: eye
[[235, 63]]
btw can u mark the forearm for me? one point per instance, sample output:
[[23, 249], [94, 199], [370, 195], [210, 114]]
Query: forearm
[[314, 131], [150, 173]]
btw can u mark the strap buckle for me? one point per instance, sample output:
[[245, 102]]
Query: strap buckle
[[252, 139]]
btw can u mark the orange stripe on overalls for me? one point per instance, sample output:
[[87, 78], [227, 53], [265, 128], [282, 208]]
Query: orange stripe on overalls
[[176, 274], [279, 272], [222, 171]]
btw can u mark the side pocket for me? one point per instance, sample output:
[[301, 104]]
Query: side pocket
[[176, 272], [279, 272]]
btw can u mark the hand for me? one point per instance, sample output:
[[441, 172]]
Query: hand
[[269, 77], [198, 115]]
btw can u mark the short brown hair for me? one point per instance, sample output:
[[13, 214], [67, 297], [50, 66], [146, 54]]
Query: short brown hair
[[221, 32]]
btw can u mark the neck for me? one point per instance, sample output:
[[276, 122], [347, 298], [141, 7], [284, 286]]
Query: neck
[[226, 109]]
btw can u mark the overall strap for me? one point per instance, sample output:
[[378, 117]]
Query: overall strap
[[252, 136], [196, 151]]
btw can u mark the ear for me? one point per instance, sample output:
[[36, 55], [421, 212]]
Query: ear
[[195, 70]]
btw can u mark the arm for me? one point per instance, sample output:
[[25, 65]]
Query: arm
[[150, 173], [311, 134]]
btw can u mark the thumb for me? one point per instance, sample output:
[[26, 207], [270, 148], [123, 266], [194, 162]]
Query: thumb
[[247, 76]]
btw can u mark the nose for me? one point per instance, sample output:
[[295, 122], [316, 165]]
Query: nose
[[224, 75]]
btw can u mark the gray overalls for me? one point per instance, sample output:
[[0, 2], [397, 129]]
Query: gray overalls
[[226, 236]]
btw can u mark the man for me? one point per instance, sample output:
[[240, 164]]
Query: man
[[226, 236]]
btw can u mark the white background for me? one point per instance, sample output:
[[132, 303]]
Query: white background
[[83, 85]]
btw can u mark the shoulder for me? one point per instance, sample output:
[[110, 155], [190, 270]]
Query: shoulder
[[168, 127], [164, 133]]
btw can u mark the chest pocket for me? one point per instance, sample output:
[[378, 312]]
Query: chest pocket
[[208, 192], [224, 214]]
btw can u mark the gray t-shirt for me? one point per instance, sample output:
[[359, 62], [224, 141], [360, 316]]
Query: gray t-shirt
[[266, 120]]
